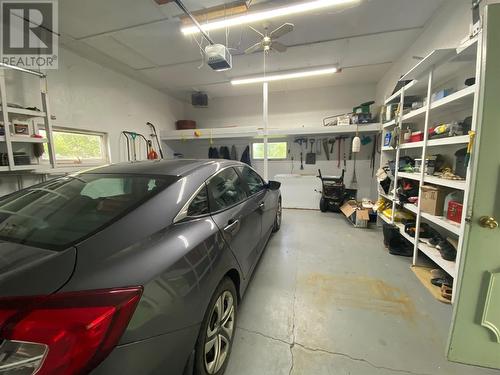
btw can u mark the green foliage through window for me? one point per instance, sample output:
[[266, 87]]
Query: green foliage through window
[[76, 147], [275, 150]]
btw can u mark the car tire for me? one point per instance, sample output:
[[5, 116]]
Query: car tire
[[216, 336], [323, 205], [278, 218]]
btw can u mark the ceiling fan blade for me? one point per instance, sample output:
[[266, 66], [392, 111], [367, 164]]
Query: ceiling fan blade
[[282, 30], [257, 31], [280, 47], [256, 47]]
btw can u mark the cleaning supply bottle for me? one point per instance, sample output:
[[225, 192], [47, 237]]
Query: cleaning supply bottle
[[387, 139]]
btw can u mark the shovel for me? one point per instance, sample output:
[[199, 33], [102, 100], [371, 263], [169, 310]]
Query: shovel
[[311, 156]]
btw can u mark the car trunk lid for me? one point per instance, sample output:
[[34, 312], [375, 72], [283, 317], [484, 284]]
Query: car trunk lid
[[27, 270]]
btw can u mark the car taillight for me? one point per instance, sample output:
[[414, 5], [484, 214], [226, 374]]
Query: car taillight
[[65, 333]]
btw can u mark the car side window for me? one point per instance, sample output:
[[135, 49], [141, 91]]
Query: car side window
[[252, 179], [199, 204], [225, 189]]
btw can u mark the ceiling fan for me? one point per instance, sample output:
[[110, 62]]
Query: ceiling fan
[[268, 42]]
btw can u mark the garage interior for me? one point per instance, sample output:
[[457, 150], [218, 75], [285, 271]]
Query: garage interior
[[369, 113]]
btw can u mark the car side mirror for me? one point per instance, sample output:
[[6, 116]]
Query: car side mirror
[[273, 185]]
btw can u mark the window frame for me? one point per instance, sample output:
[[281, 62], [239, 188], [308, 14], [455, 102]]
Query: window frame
[[182, 214], [268, 158], [105, 147], [191, 200], [244, 185], [237, 168]]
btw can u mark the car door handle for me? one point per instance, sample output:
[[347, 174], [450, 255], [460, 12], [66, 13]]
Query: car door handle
[[261, 205], [232, 226]]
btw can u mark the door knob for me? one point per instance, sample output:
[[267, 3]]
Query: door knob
[[488, 222]]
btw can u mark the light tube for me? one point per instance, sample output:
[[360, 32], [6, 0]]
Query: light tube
[[266, 15], [280, 77]]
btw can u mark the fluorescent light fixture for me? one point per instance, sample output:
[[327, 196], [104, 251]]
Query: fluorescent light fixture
[[280, 77], [266, 15]]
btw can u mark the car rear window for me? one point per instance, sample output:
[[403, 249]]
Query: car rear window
[[64, 211]]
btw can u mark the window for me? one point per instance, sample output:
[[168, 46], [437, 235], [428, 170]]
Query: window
[[199, 204], [275, 150], [77, 147], [225, 189], [64, 211], [253, 180]]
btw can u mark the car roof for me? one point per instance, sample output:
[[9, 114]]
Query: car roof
[[175, 167]]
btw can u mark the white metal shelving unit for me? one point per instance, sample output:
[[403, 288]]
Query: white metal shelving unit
[[424, 77], [247, 133], [10, 115], [256, 132]]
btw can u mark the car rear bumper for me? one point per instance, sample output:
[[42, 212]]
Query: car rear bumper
[[160, 355]]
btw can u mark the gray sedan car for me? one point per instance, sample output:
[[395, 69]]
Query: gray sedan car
[[133, 268]]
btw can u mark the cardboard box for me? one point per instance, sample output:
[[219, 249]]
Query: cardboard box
[[358, 217], [344, 120], [432, 199]]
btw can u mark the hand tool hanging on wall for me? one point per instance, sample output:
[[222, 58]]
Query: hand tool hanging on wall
[[311, 156], [354, 180], [154, 135], [325, 148], [331, 141], [131, 144], [374, 151], [339, 139], [355, 149], [152, 154], [318, 147], [300, 142], [345, 162], [128, 146]]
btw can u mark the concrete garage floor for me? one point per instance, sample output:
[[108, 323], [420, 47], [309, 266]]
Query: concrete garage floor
[[327, 298]]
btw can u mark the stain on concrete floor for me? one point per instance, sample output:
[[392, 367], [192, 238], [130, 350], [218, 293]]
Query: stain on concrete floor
[[358, 292]]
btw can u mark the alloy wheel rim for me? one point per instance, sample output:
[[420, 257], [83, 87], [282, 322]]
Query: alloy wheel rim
[[219, 333], [278, 215]]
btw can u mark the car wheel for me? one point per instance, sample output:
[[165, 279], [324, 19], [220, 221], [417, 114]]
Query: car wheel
[[277, 219], [323, 205], [217, 331]]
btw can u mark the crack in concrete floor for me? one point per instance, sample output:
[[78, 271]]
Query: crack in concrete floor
[[294, 343]]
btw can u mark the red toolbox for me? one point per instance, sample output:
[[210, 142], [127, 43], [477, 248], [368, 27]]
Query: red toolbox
[[417, 136], [455, 211]]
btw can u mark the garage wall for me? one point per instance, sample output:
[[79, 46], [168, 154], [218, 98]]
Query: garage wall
[[287, 109], [85, 95], [449, 25]]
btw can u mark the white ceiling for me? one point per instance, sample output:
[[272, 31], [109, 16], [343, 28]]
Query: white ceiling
[[143, 40]]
